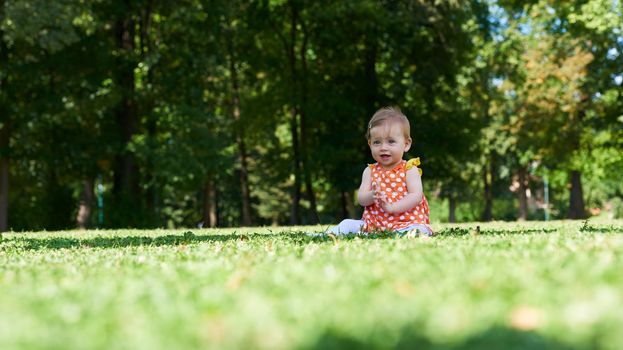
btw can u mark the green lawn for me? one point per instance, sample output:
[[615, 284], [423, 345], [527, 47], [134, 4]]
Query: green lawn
[[552, 285]]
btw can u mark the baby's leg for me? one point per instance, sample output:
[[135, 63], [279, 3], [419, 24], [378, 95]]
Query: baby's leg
[[415, 229], [346, 226]]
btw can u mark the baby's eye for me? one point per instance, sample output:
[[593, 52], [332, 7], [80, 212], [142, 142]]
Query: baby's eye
[[376, 142]]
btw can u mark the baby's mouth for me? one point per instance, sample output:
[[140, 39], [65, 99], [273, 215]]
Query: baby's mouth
[[385, 156]]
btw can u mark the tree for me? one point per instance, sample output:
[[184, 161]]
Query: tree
[[31, 93], [549, 95], [5, 133]]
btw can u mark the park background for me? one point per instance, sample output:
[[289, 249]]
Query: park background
[[237, 113]]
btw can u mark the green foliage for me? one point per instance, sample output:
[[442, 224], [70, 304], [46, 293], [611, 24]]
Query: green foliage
[[616, 208], [160, 100], [471, 287]]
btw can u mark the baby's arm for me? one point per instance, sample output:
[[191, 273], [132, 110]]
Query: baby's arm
[[412, 198], [365, 196]]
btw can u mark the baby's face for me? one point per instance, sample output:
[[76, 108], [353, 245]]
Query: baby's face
[[388, 144]]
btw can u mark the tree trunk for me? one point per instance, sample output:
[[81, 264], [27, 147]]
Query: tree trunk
[[371, 95], [125, 177], [487, 214], [522, 178], [348, 207], [239, 133], [5, 131], [145, 26], [314, 218], [296, 189], [244, 175], [307, 168], [488, 193], [576, 194], [215, 214], [209, 209], [343, 200], [294, 123], [576, 197], [451, 208], [147, 106], [85, 208]]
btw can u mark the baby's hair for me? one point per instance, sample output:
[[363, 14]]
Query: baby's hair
[[389, 115]]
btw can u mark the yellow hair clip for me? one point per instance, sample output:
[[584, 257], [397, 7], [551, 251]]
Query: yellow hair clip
[[413, 162]]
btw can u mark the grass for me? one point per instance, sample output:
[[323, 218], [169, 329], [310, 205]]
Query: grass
[[502, 286]]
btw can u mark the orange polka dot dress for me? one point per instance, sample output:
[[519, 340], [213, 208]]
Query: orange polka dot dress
[[393, 183]]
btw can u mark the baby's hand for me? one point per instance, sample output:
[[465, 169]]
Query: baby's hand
[[387, 207], [378, 196]]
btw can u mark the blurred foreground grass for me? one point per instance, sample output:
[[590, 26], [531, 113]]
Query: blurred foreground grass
[[539, 285]]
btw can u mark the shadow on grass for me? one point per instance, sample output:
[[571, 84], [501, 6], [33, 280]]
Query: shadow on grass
[[294, 237], [28, 243], [188, 237], [586, 228], [494, 338], [459, 231]]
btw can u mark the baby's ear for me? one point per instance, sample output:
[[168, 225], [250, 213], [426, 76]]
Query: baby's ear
[[407, 144]]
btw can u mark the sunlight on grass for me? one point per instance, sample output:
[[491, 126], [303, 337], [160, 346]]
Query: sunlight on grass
[[530, 285]]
